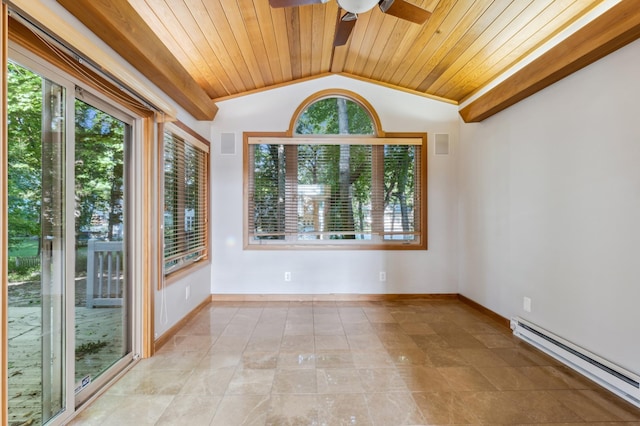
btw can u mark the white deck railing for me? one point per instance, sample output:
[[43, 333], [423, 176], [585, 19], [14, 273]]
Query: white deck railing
[[105, 278]]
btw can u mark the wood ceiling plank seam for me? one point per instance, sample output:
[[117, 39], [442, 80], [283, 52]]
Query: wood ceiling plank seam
[[547, 29], [403, 34], [256, 41], [279, 20], [476, 53], [355, 41], [330, 11], [427, 33], [453, 61], [473, 25], [218, 50], [339, 53], [263, 13], [239, 31], [384, 35], [374, 26], [495, 50], [306, 29], [317, 38], [293, 31], [223, 29], [198, 52], [448, 26], [339, 58], [411, 38], [150, 15]]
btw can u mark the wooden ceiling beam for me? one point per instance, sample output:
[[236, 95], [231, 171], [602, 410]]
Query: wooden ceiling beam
[[119, 25], [612, 30]]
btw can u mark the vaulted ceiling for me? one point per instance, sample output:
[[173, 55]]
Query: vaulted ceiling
[[234, 47]]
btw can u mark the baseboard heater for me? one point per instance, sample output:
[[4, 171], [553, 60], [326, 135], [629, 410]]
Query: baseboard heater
[[615, 378]]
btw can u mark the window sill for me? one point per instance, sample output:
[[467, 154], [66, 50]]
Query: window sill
[[183, 272]]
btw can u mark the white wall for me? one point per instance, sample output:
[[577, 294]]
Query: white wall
[[238, 271], [550, 208]]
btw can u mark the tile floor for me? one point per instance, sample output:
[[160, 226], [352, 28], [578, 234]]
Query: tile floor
[[342, 363]]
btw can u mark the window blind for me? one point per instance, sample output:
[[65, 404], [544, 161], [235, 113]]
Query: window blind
[[334, 192], [185, 201]]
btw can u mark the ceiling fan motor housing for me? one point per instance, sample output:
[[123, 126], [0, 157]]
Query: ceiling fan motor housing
[[358, 6]]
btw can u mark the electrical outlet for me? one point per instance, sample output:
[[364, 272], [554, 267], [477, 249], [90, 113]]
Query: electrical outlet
[[526, 304], [187, 292], [287, 276], [383, 276]]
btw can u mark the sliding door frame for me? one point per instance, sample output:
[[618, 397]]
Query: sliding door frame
[[137, 181]]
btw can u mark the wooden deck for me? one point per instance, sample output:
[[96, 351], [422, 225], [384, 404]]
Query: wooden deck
[[25, 352]]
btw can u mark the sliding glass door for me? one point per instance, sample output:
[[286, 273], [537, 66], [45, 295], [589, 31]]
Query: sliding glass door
[[37, 257], [102, 337], [69, 286]]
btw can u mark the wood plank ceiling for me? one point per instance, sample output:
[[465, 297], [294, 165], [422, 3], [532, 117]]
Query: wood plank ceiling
[[234, 47]]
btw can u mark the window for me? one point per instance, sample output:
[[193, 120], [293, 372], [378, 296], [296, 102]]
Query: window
[[186, 190], [335, 183]]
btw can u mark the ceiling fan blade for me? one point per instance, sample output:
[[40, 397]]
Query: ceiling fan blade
[[344, 28], [292, 3], [405, 10]]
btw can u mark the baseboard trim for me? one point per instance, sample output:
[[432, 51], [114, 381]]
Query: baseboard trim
[[335, 297], [486, 311], [168, 335]]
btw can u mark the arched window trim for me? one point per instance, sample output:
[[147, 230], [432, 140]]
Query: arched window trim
[[337, 93]]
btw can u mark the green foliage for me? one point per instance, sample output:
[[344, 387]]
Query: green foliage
[[323, 118], [99, 152], [24, 113]]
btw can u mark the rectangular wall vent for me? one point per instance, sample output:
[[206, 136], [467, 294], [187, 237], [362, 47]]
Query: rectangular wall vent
[[441, 146], [228, 144], [615, 378]]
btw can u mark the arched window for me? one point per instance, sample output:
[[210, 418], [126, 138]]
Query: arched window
[[335, 179], [334, 115]]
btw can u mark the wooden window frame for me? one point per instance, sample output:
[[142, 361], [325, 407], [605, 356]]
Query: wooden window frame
[[289, 140]]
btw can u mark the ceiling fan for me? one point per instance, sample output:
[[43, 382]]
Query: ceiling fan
[[398, 8]]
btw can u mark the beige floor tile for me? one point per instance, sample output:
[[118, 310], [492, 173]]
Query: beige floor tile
[[334, 359], [465, 379], [293, 410], [343, 409], [251, 382], [208, 382], [297, 381], [393, 408], [242, 410], [259, 360], [338, 380], [424, 379], [381, 380], [190, 409], [291, 360], [125, 410]]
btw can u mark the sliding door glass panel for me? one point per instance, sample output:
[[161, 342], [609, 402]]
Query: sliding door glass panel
[[101, 286], [36, 187]]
